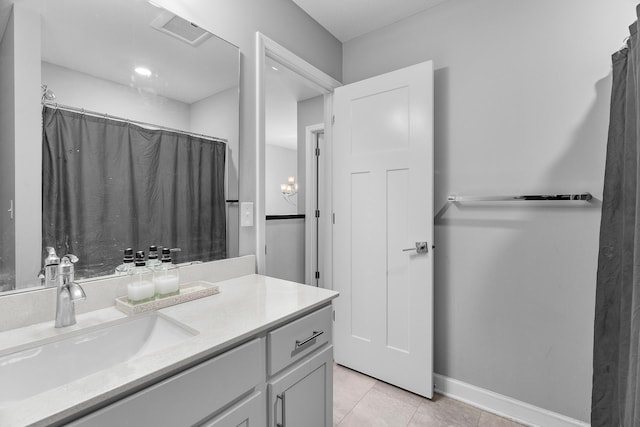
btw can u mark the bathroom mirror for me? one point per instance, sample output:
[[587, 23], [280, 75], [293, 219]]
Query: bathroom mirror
[[86, 53]]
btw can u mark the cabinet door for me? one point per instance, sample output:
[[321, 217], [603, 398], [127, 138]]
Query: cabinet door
[[247, 413], [303, 395]]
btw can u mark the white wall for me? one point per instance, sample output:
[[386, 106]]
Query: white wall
[[81, 90], [281, 163], [521, 106], [7, 158], [237, 22], [217, 115], [28, 147]]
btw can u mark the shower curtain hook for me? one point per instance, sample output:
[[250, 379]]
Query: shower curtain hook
[[625, 42]]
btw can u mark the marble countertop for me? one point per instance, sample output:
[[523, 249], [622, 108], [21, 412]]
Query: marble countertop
[[245, 307]]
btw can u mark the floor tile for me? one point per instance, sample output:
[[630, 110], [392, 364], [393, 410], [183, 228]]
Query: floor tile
[[445, 412], [490, 420], [362, 401], [398, 393], [348, 388], [379, 409]]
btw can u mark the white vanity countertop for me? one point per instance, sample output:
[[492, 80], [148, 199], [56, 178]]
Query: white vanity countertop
[[245, 307]]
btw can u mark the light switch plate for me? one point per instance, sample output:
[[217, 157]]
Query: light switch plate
[[246, 214]]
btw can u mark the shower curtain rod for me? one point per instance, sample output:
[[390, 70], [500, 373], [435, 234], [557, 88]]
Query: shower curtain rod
[[135, 122], [537, 197]]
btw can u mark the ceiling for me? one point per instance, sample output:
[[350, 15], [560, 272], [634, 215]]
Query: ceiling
[[348, 19], [107, 39]]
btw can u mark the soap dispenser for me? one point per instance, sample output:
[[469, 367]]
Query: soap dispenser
[[140, 288], [127, 263], [153, 262], [166, 276]]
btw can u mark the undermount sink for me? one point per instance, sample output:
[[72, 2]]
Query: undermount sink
[[31, 369]]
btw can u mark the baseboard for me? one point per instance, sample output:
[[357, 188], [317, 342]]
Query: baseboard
[[501, 405]]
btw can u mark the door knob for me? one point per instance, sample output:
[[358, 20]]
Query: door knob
[[421, 248]]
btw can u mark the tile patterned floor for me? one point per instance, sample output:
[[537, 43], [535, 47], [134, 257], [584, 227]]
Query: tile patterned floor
[[362, 401]]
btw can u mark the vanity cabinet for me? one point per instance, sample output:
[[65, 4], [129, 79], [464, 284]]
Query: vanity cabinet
[[301, 357], [283, 377]]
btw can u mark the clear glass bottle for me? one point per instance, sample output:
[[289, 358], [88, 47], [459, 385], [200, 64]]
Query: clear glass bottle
[[166, 276], [152, 260], [140, 288], [127, 263]]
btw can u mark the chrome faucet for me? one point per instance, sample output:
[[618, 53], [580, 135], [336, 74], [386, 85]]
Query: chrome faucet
[[68, 292]]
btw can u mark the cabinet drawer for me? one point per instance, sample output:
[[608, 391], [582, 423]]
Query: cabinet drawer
[[190, 396], [297, 339]]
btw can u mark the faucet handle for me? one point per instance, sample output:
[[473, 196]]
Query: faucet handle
[[66, 267], [72, 258], [42, 276]]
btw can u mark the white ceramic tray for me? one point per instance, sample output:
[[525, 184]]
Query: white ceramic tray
[[188, 292]]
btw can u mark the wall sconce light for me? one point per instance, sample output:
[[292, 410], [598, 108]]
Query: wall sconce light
[[289, 190]]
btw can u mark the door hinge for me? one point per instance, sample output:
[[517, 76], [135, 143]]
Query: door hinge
[[333, 119], [317, 213], [334, 315], [333, 218], [317, 152], [317, 274]]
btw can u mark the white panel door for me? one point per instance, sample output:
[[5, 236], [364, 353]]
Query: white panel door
[[383, 204]]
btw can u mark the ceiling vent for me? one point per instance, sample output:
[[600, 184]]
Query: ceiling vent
[[180, 28]]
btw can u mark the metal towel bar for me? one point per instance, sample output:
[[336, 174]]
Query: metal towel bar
[[562, 197]]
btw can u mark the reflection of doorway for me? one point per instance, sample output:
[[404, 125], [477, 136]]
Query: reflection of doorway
[[291, 106], [315, 241]]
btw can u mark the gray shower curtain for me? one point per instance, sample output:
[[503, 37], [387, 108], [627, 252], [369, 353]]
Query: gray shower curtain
[[616, 357], [108, 185]]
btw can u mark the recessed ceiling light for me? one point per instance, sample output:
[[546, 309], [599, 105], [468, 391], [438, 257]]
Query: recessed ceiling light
[[274, 68], [143, 71]]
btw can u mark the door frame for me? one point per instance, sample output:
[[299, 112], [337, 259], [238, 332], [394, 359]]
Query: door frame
[[314, 77], [311, 185]]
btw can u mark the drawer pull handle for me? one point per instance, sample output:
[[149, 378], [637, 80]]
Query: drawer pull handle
[[281, 398], [304, 342]]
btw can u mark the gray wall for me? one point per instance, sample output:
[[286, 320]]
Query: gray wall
[[286, 24], [310, 112], [285, 249], [521, 106], [280, 164]]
